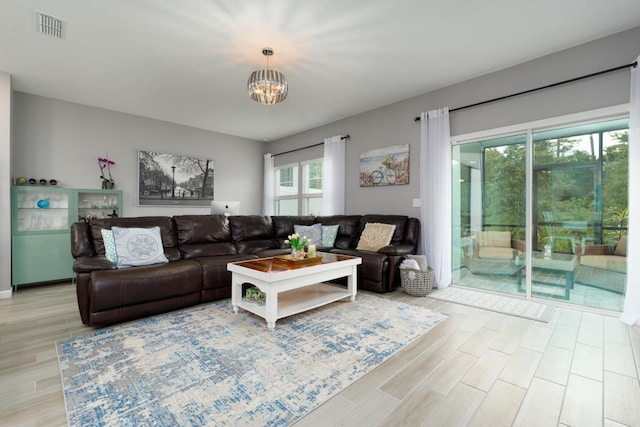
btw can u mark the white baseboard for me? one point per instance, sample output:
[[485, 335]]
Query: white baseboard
[[6, 294]]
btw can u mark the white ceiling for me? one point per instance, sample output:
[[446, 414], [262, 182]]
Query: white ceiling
[[188, 61]]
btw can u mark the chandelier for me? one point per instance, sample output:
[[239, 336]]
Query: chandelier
[[267, 86]]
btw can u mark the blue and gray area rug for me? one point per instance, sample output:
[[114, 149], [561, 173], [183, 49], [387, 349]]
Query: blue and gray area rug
[[209, 366]]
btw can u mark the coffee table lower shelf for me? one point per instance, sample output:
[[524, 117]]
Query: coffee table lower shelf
[[298, 300]]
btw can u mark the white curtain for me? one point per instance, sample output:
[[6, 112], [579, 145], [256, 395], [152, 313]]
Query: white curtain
[[631, 311], [268, 205], [333, 176], [435, 193]]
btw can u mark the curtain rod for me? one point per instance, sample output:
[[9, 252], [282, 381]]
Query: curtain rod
[[347, 136], [575, 79]]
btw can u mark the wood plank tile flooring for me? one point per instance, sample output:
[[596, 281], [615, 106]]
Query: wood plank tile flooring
[[478, 368]]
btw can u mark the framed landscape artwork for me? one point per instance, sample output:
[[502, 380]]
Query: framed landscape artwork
[[385, 166], [172, 179]]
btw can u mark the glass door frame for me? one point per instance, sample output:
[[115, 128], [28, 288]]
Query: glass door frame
[[528, 129]]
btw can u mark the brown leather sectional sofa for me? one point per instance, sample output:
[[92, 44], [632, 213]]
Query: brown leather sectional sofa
[[199, 247]]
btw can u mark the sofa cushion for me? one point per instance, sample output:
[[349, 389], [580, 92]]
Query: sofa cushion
[[605, 262], [113, 289], [250, 227], [204, 235], [138, 246], [252, 233], [202, 229], [621, 247], [375, 236], [313, 233]]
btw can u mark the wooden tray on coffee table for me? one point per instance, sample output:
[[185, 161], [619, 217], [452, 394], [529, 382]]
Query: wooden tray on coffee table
[[289, 258]]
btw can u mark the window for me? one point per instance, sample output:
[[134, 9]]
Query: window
[[294, 199]]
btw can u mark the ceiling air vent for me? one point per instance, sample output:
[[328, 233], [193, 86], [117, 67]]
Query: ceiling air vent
[[50, 25]]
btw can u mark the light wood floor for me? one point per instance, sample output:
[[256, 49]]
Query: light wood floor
[[477, 368]]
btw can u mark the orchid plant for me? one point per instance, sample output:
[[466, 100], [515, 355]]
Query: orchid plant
[[296, 241], [105, 163]]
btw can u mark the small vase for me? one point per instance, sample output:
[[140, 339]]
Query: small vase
[[297, 254], [108, 185]]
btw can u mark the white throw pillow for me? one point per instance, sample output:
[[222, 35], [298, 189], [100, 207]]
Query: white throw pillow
[[375, 236], [138, 246]]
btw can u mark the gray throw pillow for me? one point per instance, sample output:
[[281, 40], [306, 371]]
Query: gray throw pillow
[[312, 232]]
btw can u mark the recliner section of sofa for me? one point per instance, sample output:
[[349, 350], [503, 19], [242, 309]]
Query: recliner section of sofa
[[199, 247]]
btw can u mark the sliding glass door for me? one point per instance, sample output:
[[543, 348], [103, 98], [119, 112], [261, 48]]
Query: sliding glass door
[[489, 214], [577, 230]]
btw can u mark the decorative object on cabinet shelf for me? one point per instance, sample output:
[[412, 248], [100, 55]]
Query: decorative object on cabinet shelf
[[43, 203], [106, 163], [32, 181]]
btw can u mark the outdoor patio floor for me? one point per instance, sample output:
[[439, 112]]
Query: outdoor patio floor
[[587, 296]]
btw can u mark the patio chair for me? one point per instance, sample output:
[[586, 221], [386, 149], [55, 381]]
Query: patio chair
[[604, 266], [495, 253]]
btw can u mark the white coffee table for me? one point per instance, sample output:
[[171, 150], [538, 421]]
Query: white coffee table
[[292, 287]]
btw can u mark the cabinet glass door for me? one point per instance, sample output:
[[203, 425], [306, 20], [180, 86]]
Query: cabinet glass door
[[99, 204], [41, 209]]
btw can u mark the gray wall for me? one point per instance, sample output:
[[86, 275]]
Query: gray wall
[[394, 124], [5, 185], [62, 140]]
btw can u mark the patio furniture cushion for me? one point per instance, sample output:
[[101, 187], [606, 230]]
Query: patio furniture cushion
[[500, 239], [496, 252], [605, 262]]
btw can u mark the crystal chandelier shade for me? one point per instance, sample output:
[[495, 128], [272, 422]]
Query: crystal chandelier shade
[[267, 86]]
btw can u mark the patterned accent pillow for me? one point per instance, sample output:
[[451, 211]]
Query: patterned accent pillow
[[312, 232], [138, 246], [329, 235], [375, 236], [109, 245]]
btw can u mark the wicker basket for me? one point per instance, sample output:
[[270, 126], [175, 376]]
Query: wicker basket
[[417, 283]]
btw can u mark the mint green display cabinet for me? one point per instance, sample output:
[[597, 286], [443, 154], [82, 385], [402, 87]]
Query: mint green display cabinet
[[97, 204], [41, 218]]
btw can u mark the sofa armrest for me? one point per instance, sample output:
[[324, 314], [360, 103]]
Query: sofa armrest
[[397, 250], [87, 264], [81, 242]]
